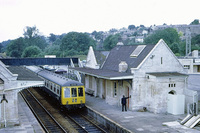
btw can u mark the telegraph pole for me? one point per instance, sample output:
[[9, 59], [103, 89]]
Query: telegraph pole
[[188, 42]]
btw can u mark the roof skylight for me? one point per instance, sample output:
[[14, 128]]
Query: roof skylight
[[138, 50]]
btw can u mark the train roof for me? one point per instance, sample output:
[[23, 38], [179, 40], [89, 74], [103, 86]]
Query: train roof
[[56, 78]]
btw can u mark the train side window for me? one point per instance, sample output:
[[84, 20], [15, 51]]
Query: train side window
[[80, 91], [74, 92], [47, 84], [58, 89], [51, 86], [54, 88], [67, 92]]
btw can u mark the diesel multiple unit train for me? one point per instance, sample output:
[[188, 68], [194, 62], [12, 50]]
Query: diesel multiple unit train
[[69, 93]]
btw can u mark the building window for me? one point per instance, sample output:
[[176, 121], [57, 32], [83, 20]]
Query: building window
[[1, 81], [161, 60], [172, 92], [115, 88], [198, 68], [172, 85], [187, 66]]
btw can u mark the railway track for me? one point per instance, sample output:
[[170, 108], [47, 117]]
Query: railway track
[[86, 124], [49, 124], [78, 120]]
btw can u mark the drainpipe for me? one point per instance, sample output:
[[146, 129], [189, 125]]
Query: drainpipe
[[4, 113], [187, 105]]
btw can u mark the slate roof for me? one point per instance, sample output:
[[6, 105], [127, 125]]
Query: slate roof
[[101, 56], [110, 69], [167, 74], [122, 53], [106, 74], [23, 73]]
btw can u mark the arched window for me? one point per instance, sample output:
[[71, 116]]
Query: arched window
[[172, 92], [1, 81]]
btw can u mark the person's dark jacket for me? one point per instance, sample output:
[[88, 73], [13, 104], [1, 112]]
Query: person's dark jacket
[[123, 101]]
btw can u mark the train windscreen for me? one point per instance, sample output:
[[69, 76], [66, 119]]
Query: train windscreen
[[67, 92], [80, 92], [74, 92]]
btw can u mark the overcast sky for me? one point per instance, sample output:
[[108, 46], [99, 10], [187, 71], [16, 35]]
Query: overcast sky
[[63, 16]]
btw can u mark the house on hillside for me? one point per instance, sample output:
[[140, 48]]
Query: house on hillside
[[147, 73]]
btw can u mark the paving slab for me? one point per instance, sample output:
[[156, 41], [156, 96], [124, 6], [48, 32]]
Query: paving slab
[[139, 122]]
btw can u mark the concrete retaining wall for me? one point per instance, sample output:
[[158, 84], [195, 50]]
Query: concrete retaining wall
[[108, 123]]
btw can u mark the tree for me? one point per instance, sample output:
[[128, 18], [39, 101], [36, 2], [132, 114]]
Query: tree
[[33, 38], [169, 35], [195, 22], [30, 32], [111, 41], [98, 35], [175, 48], [31, 51], [131, 27], [1, 47], [52, 37], [53, 50], [16, 47], [79, 42], [195, 42]]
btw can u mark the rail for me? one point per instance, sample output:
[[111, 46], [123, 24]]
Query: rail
[[46, 120]]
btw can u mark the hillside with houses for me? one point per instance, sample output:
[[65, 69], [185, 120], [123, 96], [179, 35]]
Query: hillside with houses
[[34, 44]]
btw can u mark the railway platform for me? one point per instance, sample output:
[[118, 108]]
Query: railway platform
[[27, 121], [139, 122], [133, 121]]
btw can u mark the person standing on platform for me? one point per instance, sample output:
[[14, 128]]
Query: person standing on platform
[[123, 102]]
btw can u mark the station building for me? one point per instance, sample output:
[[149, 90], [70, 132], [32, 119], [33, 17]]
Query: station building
[[191, 62], [151, 74]]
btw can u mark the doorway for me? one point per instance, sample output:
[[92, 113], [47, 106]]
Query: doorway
[[127, 95], [104, 89]]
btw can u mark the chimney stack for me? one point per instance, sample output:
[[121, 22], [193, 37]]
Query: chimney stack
[[123, 66], [195, 53]]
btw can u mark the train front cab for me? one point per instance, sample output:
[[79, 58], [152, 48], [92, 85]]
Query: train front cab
[[73, 96]]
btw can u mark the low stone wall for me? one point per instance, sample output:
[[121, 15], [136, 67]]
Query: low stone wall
[[108, 123]]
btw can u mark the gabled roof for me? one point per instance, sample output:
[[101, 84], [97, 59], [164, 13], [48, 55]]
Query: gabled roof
[[110, 69], [122, 53], [101, 56]]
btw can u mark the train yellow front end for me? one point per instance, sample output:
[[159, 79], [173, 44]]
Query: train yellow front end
[[73, 96]]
